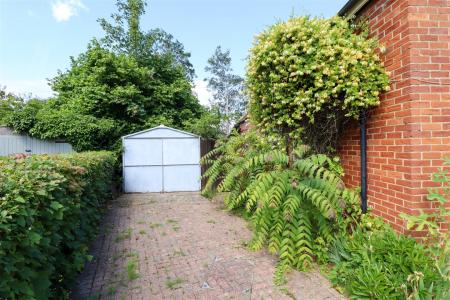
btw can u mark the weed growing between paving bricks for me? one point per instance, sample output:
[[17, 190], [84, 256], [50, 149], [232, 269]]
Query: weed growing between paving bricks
[[124, 235], [174, 283], [155, 225], [49, 207], [112, 290], [174, 223], [179, 253], [132, 273], [287, 293]]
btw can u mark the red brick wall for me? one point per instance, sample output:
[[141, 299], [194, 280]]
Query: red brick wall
[[409, 133]]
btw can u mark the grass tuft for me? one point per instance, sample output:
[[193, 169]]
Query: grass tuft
[[175, 283]]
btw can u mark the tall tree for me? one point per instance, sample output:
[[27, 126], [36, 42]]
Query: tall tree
[[129, 81], [227, 88], [105, 95], [124, 35]]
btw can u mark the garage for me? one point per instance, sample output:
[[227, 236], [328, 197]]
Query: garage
[[161, 159]]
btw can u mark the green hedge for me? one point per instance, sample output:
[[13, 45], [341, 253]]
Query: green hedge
[[49, 211]]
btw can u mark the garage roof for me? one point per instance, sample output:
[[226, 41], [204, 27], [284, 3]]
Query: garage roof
[[161, 131]]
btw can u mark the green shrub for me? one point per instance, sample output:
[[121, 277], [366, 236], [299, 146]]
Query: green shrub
[[436, 224], [49, 210], [301, 211], [382, 264], [307, 76], [297, 203], [208, 126], [228, 153]]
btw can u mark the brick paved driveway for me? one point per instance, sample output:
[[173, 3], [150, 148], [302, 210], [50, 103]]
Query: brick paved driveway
[[182, 246]]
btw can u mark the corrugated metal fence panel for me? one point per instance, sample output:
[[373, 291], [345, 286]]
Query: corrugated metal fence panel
[[13, 144]]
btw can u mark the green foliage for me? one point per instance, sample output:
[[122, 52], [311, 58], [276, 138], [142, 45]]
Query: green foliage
[[8, 104], [207, 126], [307, 76], [128, 82], [49, 211], [23, 118], [103, 84], [81, 131], [380, 264], [226, 154], [294, 201], [174, 283], [154, 46], [132, 273], [115, 86], [104, 96], [436, 225], [302, 212]]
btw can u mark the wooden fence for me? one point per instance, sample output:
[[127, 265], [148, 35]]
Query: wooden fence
[[206, 145]]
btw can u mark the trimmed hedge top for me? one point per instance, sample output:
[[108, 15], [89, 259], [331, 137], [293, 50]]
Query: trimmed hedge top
[[49, 211]]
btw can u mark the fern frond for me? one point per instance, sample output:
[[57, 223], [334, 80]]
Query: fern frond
[[294, 207], [329, 189], [276, 230], [302, 237], [279, 277], [301, 151], [262, 220], [309, 168], [325, 229], [317, 199], [259, 192], [274, 157]]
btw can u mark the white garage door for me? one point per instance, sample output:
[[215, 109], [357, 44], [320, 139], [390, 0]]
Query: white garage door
[[161, 159]]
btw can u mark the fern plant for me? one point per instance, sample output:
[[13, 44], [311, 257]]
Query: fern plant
[[296, 202], [226, 155]]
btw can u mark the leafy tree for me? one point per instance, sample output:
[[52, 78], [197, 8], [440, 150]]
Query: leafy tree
[[105, 95], [128, 82], [103, 84], [125, 36], [207, 126], [227, 88], [8, 104], [23, 118]]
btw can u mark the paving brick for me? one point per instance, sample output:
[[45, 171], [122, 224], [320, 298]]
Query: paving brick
[[186, 237]]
